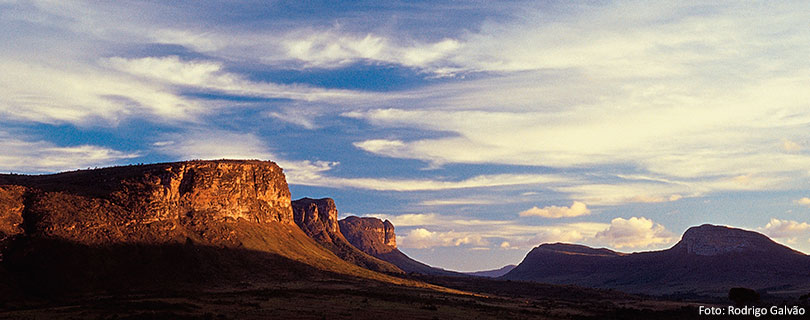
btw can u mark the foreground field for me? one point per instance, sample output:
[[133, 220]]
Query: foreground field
[[350, 299]]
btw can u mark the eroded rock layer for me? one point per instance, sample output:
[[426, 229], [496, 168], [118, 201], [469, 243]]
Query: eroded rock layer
[[318, 218], [147, 204], [159, 225], [377, 238]]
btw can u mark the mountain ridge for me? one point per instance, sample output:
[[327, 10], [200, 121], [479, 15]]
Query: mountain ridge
[[709, 260]]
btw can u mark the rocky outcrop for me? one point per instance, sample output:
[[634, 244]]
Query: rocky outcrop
[[11, 209], [162, 225], [147, 204], [709, 260], [318, 218], [377, 238], [371, 235], [711, 240]]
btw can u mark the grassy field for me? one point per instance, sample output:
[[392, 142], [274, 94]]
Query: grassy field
[[352, 299]]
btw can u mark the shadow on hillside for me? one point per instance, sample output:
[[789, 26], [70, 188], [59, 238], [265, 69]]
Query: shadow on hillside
[[57, 279], [49, 268]]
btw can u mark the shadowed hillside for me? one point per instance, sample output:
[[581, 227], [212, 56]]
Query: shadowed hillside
[[709, 260]]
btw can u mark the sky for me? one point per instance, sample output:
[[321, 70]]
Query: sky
[[481, 130]]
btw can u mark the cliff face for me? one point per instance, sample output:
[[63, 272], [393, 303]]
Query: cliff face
[[710, 240], [377, 238], [318, 219], [11, 208], [371, 235], [154, 226], [147, 204]]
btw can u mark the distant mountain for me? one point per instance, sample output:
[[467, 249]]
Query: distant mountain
[[377, 238], [493, 273], [708, 260], [318, 219]]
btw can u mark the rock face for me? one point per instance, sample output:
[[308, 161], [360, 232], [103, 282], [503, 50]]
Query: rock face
[[709, 240], [11, 209], [318, 219], [708, 260], [224, 221], [371, 235], [147, 204], [377, 238]]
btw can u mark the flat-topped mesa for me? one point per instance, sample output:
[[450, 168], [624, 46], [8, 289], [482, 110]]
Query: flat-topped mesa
[[371, 235], [377, 238], [179, 201], [185, 224], [711, 240], [318, 219]]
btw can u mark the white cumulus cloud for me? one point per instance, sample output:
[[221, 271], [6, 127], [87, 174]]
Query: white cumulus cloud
[[576, 209], [805, 201], [636, 232], [787, 230], [421, 238]]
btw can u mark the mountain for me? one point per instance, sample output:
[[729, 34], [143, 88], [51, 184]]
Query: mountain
[[709, 260], [377, 238], [318, 219], [493, 273], [159, 225], [220, 240]]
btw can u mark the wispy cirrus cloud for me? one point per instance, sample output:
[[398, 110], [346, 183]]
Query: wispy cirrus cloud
[[210, 75], [641, 94], [83, 94], [37, 156], [457, 201], [624, 102], [219, 144]]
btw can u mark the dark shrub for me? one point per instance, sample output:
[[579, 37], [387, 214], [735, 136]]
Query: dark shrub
[[743, 296]]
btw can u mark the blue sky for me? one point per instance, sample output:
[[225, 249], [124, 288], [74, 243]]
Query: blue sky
[[479, 130]]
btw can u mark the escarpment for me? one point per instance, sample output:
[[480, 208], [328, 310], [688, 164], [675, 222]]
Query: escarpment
[[195, 201], [377, 238], [371, 235], [318, 218], [159, 225]]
